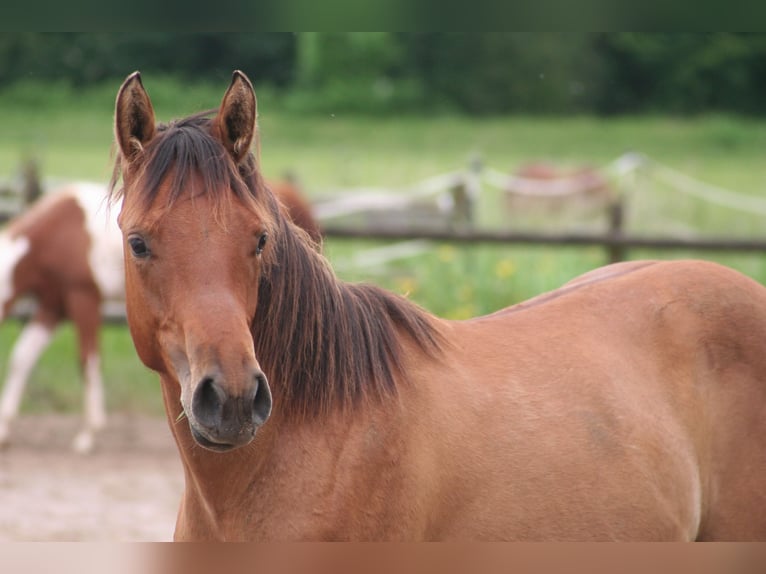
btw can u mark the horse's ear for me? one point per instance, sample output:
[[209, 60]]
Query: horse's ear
[[235, 122], [133, 116]]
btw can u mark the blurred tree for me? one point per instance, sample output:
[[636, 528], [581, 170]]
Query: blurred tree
[[362, 71], [476, 73], [682, 72], [308, 60], [502, 72], [83, 58]]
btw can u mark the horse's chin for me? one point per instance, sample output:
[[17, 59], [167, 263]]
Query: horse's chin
[[214, 446]]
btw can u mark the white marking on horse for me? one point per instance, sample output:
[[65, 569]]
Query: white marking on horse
[[95, 412], [105, 256], [29, 346], [12, 250]]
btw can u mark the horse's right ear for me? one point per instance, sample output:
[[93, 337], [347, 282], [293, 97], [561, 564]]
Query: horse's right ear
[[133, 117]]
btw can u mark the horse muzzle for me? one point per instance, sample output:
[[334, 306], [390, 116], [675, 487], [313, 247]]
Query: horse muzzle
[[221, 420]]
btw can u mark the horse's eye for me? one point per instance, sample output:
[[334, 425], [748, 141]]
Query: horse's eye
[[138, 247], [261, 243]]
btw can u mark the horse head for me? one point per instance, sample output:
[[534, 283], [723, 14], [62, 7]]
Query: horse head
[[196, 224]]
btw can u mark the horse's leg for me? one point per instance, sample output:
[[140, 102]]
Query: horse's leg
[[32, 341], [84, 308]]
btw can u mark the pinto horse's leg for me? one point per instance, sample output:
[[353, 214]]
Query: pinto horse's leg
[[84, 308], [95, 411], [32, 341]]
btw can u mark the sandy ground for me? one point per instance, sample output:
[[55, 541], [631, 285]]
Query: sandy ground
[[126, 490]]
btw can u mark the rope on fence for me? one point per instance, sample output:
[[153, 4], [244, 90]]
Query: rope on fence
[[448, 192], [378, 256], [559, 187], [624, 165], [362, 199], [565, 185], [712, 193]]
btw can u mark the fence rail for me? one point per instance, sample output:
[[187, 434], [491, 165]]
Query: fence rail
[[614, 239], [606, 240]]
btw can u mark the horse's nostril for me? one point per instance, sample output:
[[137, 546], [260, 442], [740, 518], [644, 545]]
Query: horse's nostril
[[207, 403], [261, 400], [218, 413], [260, 379]]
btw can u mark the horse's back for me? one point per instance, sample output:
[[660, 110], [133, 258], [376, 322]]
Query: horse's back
[[105, 255], [79, 236], [628, 404]]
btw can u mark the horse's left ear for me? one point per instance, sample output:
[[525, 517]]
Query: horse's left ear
[[235, 122], [133, 117]]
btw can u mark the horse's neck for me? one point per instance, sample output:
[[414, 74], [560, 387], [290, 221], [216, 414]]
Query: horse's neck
[[295, 479], [209, 485]]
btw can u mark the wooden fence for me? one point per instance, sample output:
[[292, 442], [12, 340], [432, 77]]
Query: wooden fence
[[464, 189], [451, 199], [615, 242]]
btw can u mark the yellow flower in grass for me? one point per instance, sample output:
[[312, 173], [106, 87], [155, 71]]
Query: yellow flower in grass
[[406, 286], [504, 268], [447, 253]]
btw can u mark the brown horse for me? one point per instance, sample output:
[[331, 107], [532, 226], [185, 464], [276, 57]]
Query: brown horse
[[66, 252], [628, 405]]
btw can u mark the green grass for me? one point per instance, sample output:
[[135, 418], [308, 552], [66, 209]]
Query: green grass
[[71, 134]]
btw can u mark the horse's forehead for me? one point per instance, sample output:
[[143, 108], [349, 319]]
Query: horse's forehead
[[135, 214], [187, 214]]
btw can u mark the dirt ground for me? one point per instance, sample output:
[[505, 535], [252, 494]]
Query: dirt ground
[[126, 490]]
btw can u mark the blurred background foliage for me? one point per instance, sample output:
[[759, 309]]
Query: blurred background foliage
[[345, 111], [494, 73]]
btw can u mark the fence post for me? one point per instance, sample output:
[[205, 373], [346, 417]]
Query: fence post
[[465, 193], [616, 252], [32, 189]]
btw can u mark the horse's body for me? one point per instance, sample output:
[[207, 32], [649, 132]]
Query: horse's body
[[549, 189], [628, 405], [583, 180], [66, 252]]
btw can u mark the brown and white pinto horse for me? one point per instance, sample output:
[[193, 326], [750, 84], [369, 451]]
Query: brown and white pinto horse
[[66, 252], [627, 405]]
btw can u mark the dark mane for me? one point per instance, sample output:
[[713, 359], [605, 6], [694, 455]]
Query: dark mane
[[323, 344], [188, 147]]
